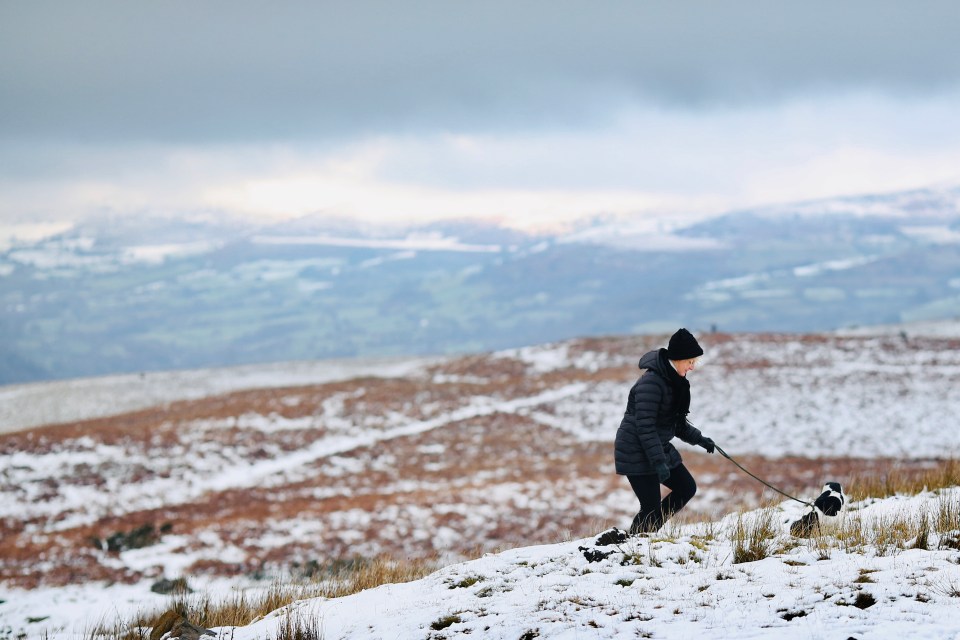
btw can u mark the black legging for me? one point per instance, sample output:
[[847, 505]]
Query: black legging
[[653, 511]]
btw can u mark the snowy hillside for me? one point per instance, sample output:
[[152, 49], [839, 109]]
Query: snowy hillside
[[440, 459], [681, 584], [23, 406], [685, 582]]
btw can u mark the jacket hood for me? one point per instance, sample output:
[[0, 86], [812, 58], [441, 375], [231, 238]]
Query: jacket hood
[[652, 360], [657, 362]]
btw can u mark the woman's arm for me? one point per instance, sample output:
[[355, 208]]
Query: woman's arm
[[647, 396]]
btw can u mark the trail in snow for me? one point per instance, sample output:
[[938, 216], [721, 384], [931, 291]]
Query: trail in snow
[[255, 474]]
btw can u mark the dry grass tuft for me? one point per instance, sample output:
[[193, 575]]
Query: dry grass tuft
[[375, 573], [946, 587], [933, 525], [243, 607], [892, 533], [900, 481], [946, 520], [754, 536], [299, 627]]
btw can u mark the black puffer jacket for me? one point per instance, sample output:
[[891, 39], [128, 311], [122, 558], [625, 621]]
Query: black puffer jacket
[[652, 418]]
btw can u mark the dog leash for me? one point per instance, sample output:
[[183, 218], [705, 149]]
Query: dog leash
[[760, 480]]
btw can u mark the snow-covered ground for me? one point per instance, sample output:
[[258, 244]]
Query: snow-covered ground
[[930, 329], [682, 583], [776, 397], [872, 395], [29, 405], [868, 395]]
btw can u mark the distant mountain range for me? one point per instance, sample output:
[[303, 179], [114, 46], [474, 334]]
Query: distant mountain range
[[123, 294]]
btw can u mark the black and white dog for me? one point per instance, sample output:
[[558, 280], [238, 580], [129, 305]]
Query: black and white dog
[[829, 504]]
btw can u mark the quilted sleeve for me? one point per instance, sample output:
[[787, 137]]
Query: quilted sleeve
[[646, 404]]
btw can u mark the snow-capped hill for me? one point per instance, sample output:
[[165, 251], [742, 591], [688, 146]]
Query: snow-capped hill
[[539, 421], [313, 466], [932, 203], [930, 216], [876, 572], [156, 294], [681, 583]]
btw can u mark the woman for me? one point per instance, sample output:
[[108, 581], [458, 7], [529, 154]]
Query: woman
[[656, 411]]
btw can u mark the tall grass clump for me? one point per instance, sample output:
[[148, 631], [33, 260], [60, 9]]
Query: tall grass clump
[[922, 529], [947, 517], [367, 575], [299, 627], [754, 536], [900, 482], [243, 607], [891, 533]]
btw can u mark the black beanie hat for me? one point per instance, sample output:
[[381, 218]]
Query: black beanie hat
[[683, 346]]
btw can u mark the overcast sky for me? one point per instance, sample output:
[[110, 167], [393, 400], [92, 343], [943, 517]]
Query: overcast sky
[[527, 111]]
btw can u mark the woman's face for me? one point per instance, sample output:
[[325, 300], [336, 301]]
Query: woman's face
[[685, 366]]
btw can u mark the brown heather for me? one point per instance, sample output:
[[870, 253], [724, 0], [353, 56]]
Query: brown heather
[[452, 477], [906, 479]]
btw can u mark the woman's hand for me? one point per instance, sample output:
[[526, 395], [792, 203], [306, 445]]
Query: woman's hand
[[707, 444], [663, 473]]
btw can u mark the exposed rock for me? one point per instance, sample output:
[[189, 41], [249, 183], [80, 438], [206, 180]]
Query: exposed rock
[[171, 587], [595, 555], [172, 625], [611, 536], [138, 538]]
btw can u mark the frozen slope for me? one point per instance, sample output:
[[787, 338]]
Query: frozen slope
[[682, 583]]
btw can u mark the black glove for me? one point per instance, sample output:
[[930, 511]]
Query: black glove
[[707, 444], [663, 473]]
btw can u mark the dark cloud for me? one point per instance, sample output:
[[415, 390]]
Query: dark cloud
[[254, 71]]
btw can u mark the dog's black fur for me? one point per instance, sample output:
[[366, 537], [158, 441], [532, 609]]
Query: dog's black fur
[[829, 503]]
